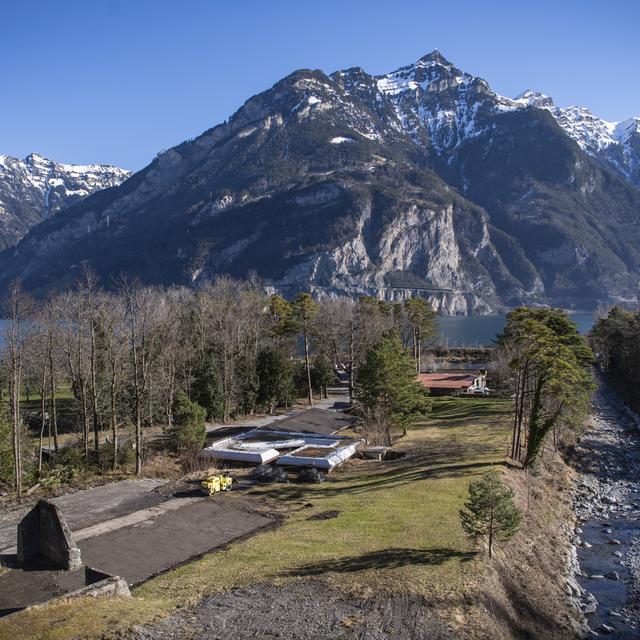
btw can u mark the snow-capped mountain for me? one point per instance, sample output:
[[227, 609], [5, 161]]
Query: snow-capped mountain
[[36, 188], [615, 143], [440, 106], [351, 183]]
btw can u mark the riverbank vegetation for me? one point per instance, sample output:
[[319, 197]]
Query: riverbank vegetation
[[550, 363], [100, 372], [616, 342]]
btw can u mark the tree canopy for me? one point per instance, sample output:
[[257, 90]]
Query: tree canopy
[[188, 433], [551, 364], [616, 341]]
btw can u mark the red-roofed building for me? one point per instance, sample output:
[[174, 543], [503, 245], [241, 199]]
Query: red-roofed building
[[455, 383]]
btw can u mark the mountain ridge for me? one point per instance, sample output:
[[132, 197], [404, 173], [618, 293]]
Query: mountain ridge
[[337, 183]]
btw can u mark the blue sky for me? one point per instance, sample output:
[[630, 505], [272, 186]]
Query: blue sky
[[117, 81]]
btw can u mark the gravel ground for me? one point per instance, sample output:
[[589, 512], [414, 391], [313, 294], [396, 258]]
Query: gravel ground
[[607, 507], [304, 610]]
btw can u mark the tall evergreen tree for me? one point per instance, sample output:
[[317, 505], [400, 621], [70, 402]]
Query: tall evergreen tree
[[616, 341], [552, 378], [188, 432], [322, 374], [387, 382], [275, 378]]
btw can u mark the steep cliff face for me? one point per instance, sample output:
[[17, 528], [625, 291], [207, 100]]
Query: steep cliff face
[[36, 188], [348, 184]]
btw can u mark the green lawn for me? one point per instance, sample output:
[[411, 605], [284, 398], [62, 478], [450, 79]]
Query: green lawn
[[397, 529]]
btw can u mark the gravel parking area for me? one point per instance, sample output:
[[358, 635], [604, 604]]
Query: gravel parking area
[[300, 611]]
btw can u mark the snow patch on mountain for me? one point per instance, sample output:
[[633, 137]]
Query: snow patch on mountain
[[340, 140], [435, 102]]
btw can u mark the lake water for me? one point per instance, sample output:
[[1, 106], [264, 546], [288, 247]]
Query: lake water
[[465, 331], [480, 331]]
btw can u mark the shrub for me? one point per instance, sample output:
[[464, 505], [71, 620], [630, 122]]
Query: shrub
[[188, 434]]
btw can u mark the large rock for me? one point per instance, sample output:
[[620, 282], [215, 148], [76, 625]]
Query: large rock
[[45, 539]]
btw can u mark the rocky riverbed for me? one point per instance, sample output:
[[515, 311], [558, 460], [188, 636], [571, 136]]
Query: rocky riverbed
[[606, 561]]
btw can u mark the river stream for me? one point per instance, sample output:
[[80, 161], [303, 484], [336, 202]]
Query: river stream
[[607, 506]]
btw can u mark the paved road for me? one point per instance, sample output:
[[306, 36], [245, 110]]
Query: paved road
[[90, 506], [139, 545], [156, 544]]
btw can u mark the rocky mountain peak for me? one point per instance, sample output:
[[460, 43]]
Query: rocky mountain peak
[[343, 184], [626, 129], [435, 57], [534, 99]]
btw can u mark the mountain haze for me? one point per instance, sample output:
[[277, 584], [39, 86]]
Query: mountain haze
[[351, 183]]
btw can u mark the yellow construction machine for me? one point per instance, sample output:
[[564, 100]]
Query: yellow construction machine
[[213, 484]]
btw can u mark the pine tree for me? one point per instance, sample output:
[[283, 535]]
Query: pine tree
[[322, 374], [275, 378], [490, 510], [387, 382], [551, 363], [189, 432]]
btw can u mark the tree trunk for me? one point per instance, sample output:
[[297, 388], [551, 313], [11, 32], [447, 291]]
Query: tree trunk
[[138, 437], [15, 417], [351, 366], [43, 424], [113, 417], [85, 417], [94, 391], [307, 362], [53, 419]]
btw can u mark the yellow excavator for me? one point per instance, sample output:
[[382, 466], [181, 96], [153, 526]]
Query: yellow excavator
[[213, 484]]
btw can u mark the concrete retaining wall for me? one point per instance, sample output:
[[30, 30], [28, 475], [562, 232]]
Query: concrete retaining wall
[[113, 586]]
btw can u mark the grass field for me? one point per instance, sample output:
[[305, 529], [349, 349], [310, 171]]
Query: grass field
[[395, 528]]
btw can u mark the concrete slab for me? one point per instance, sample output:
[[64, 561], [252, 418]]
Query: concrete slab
[[316, 420], [125, 521], [338, 400], [149, 547], [90, 506]]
